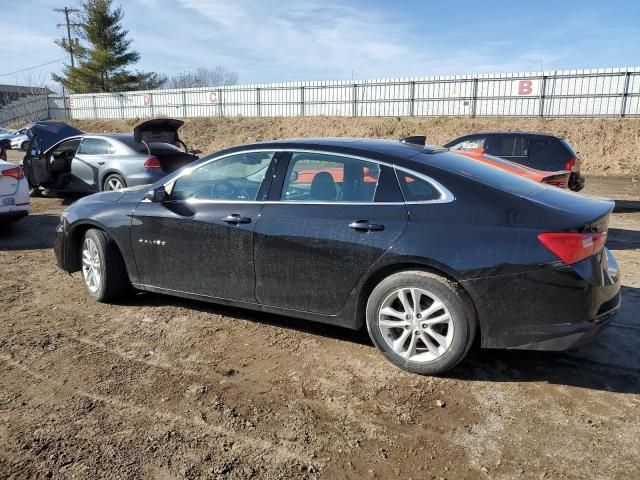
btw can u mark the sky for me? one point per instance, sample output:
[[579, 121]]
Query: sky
[[283, 40]]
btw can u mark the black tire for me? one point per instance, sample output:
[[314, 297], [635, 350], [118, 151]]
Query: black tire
[[113, 176], [114, 283], [454, 299]]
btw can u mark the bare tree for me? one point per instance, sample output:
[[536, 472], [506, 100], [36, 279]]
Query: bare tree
[[203, 77]]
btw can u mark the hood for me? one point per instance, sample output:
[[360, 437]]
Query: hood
[[158, 130], [50, 133]]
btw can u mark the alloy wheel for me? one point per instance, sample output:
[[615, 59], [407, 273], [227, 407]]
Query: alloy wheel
[[114, 184], [91, 267], [416, 324]]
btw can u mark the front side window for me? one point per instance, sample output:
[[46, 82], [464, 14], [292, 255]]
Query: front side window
[[415, 189], [66, 149], [236, 177], [321, 177], [94, 146]]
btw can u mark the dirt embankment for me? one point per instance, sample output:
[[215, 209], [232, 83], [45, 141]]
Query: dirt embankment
[[607, 146]]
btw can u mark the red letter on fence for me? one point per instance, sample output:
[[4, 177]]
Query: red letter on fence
[[525, 87]]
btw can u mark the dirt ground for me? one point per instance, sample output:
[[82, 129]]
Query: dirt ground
[[166, 388]]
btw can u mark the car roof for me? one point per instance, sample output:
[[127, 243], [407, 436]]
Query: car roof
[[511, 132], [345, 144]]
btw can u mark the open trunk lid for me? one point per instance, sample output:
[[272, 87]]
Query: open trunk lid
[[163, 130]]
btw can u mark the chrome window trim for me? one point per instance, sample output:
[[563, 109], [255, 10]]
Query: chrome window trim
[[445, 194]]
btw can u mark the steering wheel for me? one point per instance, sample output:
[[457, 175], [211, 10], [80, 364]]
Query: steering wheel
[[224, 190]]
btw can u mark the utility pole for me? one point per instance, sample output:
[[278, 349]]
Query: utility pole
[[67, 11]]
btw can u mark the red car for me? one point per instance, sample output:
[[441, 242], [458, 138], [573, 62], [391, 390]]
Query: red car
[[557, 179]]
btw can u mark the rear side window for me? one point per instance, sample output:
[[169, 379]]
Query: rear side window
[[507, 146], [321, 177], [416, 189], [537, 146], [94, 146]]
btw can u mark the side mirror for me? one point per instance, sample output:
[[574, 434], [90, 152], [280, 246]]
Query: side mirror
[[157, 195], [293, 178], [194, 151]]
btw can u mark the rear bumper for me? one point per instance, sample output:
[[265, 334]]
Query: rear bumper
[[145, 178], [554, 308]]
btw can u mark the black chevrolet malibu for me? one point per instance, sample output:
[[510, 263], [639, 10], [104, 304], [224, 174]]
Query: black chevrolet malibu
[[428, 248]]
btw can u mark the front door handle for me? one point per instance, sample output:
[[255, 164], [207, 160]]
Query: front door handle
[[236, 218], [365, 226]]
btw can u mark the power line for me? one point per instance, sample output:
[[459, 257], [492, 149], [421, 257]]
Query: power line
[[31, 68]]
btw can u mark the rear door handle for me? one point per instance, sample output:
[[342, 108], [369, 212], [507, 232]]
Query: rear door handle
[[365, 226], [236, 218]]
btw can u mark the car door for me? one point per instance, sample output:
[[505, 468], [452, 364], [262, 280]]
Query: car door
[[200, 240], [322, 230], [92, 154]]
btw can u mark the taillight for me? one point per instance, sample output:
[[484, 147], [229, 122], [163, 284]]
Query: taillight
[[572, 165], [152, 162], [573, 247], [16, 173]]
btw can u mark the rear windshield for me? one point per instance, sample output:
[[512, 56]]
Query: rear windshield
[[484, 173]]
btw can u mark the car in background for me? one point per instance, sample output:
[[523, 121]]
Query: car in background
[[19, 140], [425, 247], [532, 149], [14, 193], [65, 159], [558, 179]]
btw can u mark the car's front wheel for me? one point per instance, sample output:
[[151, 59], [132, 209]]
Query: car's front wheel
[[421, 322], [103, 270]]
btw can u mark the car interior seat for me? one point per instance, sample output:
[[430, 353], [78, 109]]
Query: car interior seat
[[323, 187]]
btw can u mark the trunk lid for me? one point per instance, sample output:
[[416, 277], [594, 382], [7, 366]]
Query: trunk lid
[[164, 130]]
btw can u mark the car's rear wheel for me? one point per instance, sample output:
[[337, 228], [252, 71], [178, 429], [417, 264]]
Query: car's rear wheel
[[421, 322], [114, 182], [103, 270]]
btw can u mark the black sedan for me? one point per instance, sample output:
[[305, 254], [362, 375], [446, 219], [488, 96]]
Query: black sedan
[[426, 247]]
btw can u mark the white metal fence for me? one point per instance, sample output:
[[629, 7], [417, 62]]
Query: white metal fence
[[579, 93]]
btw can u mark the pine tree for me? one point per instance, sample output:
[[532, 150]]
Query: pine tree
[[103, 53]]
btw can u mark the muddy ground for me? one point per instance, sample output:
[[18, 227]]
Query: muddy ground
[[165, 388]]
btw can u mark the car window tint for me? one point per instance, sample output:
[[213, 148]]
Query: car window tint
[[236, 177], [67, 147], [502, 146], [321, 177], [415, 189], [94, 146], [536, 146], [520, 147]]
